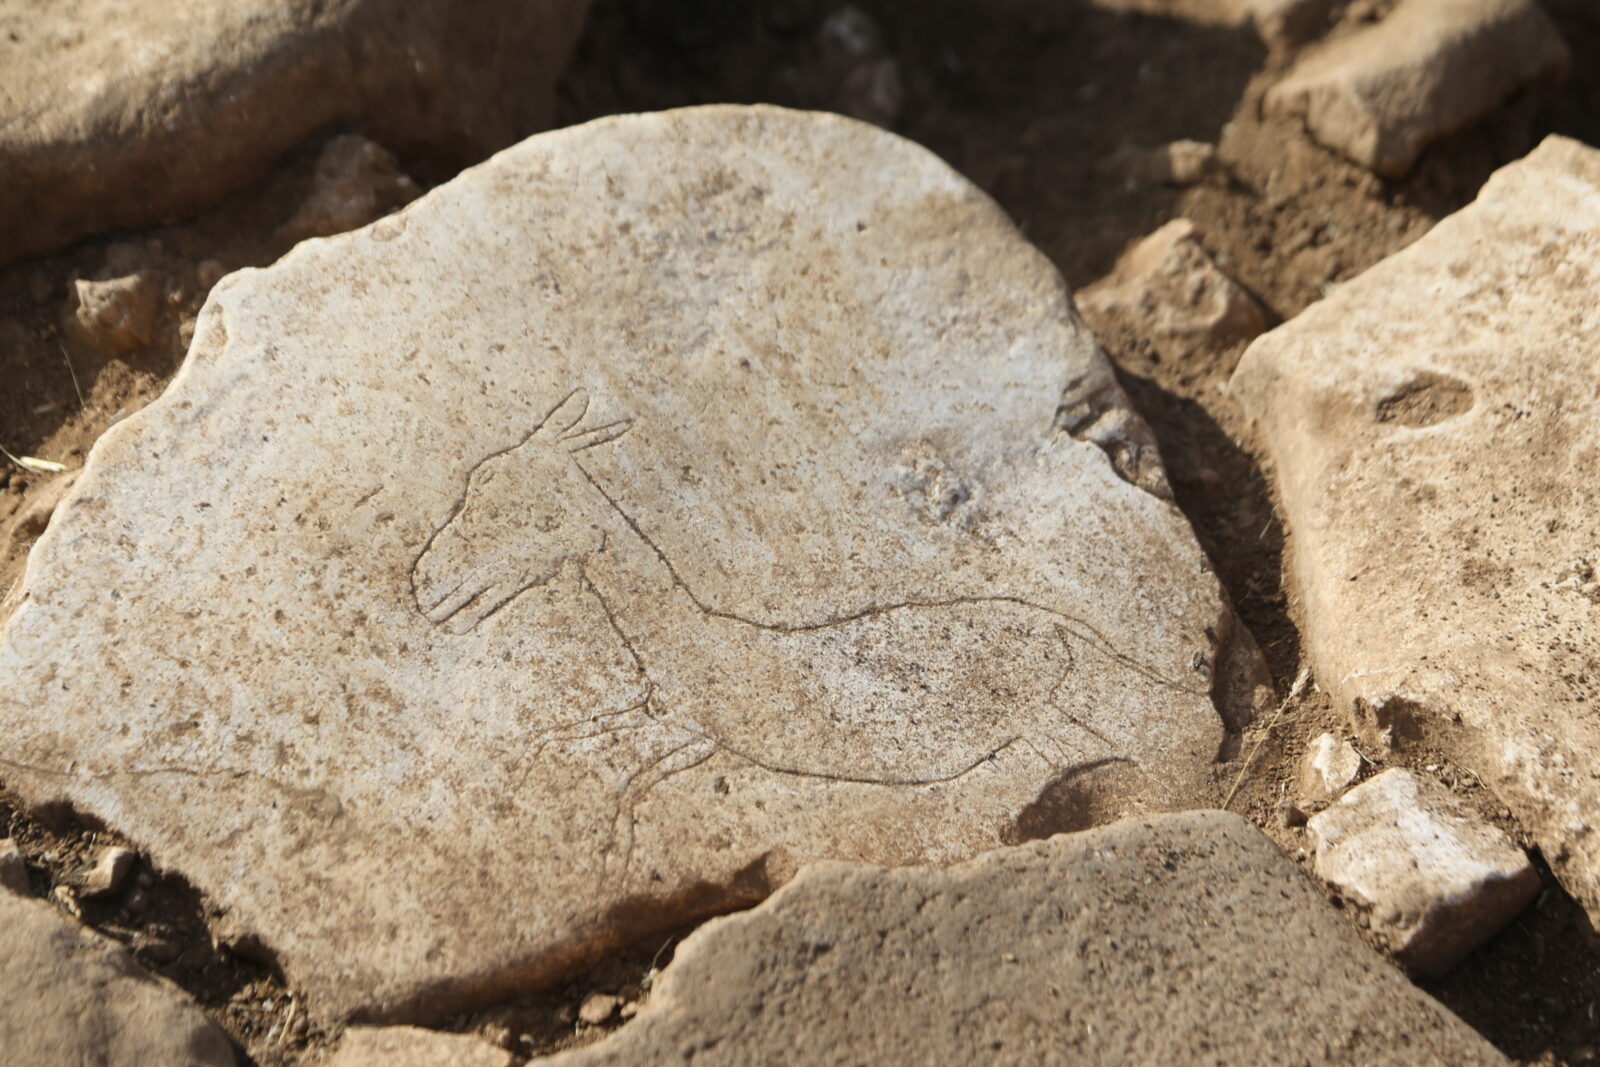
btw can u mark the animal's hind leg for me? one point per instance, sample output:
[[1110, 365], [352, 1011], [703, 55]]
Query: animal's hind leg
[[688, 751]]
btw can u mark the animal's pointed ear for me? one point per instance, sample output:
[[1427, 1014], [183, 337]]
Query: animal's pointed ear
[[564, 416], [600, 435]]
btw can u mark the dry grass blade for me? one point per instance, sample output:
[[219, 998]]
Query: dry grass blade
[[1295, 693]]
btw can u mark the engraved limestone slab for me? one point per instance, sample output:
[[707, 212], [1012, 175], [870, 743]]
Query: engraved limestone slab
[[666, 503], [1186, 938], [1434, 425]]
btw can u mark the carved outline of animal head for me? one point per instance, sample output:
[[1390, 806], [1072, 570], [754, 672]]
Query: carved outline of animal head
[[524, 513]]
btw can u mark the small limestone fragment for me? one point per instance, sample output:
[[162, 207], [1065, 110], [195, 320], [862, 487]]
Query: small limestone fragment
[[109, 873], [119, 315], [1431, 67], [1179, 163], [356, 181], [409, 1046], [13, 868], [1329, 767], [1168, 290], [1440, 882], [599, 1008]]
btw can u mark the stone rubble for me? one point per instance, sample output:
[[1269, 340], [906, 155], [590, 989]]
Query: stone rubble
[[355, 182], [118, 315], [74, 997], [1180, 939], [1434, 425], [1439, 880], [166, 107], [1174, 296], [628, 537], [109, 872], [1382, 94], [1328, 768]]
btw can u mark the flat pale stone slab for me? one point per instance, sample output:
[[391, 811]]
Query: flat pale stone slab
[[73, 997], [664, 504], [1382, 94], [408, 1046], [1185, 939], [1435, 425], [120, 115], [1440, 880]]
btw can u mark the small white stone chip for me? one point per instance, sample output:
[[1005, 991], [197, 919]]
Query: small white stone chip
[[1440, 881]]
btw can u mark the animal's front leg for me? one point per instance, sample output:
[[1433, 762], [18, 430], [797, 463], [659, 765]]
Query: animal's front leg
[[689, 751]]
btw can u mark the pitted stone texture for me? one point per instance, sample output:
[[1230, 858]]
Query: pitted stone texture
[[1440, 881], [72, 997], [1187, 939], [120, 115], [407, 1046], [1382, 94], [590, 544], [1435, 428]]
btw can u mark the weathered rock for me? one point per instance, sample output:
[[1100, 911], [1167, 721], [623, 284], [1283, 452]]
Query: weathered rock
[[1434, 426], [407, 1046], [109, 872], [598, 1008], [74, 997], [1187, 939], [1175, 296], [1285, 24], [1178, 163], [356, 181], [112, 115], [1439, 880], [1429, 68], [1328, 768], [118, 315], [626, 537], [13, 868]]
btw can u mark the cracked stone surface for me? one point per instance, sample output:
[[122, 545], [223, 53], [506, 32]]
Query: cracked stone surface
[[74, 997], [589, 545], [1427, 69], [113, 116], [1434, 426], [1185, 939]]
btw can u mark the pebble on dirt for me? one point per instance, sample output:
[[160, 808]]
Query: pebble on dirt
[[1178, 163], [1439, 880], [108, 874], [356, 180], [599, 1008], [1382, 94], [118, 315], [1329, 767]]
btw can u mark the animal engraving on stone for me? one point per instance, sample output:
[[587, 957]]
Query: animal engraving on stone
[[909, 693]]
